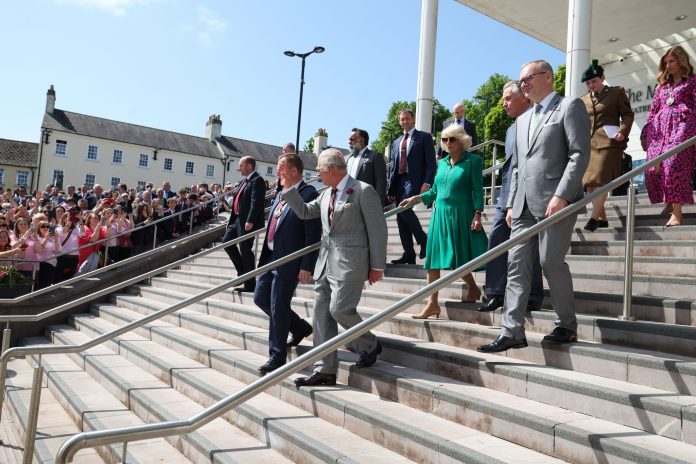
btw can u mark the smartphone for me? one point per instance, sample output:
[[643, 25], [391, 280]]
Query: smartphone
[[52, 230]]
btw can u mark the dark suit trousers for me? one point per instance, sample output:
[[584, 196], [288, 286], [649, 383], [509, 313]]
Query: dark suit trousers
[[409, 225], [241, 254], [496, 270], [273, 296]]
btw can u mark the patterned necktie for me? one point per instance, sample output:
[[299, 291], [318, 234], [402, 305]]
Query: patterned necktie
[[239, 195], [403, 162], [274, 220], [534, 121], [332, 200]]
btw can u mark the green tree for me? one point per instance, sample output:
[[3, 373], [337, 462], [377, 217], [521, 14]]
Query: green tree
[[309, 145], [391, 129], [559, 79]]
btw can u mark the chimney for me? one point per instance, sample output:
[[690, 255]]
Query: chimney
[[50, 100], [213, 128], [321, 141]]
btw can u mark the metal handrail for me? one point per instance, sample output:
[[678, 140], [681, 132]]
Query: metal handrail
[[72, 280], [105, 437]]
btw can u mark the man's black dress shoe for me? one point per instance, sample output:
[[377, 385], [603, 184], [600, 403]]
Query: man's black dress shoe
[[295, 339], [316, 378], [602, 224], [404, 260], [368, 359], [561, 335], [502, 343], [270, 366], [244, 289], [533, 307], [495, 302], [421, 254]]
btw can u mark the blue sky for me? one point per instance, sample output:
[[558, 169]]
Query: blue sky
[[170, 64]]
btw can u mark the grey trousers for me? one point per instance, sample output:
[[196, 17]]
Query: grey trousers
[[551, 246], [335, 302]]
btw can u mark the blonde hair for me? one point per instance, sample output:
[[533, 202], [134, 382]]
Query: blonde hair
[[682, 58], [458, 132]]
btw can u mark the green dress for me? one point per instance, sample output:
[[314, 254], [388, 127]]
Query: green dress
[[457, 193]]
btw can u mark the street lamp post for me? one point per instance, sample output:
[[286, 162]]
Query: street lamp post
[[299, 111]]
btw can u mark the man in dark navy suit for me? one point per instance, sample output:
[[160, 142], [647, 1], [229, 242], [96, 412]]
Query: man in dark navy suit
[[246, 216], [459, 118], [286, 233], [412, 173]]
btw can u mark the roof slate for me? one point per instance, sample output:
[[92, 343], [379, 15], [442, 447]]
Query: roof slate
[[16, 153], [118, 131]]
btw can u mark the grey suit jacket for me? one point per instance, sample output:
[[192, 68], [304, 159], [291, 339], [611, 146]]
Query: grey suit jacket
[[372, 169], [356, 239], [554, 160]]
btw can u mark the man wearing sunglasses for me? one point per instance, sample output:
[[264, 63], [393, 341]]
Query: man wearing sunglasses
[[550, 156]]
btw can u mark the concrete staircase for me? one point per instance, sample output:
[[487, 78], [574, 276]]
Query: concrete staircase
[[626, 393]]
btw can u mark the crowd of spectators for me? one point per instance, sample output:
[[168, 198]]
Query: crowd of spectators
[[46, 234]]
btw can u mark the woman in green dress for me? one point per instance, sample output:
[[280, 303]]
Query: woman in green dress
[[455, 234]]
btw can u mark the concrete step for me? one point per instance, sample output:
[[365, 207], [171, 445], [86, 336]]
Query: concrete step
[[299, 437], [11, 447], [672, 372], [657, 417], [661, 248], [54, 424]]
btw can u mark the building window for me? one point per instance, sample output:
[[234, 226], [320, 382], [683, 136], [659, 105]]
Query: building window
[[210, 171], [2, 176], [144, 160], [118, 157], [90, 180], [92, 152], [269, 170], [141, 185], [57, 178], [168, 164], [307, 175], [23, 178], [115, 181], [189, 167], [61, 148]]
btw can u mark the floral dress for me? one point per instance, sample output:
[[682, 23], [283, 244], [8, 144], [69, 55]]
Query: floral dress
[[671, 121]]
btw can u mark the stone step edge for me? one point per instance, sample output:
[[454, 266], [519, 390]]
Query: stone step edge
[[620, 447], [296, 437]]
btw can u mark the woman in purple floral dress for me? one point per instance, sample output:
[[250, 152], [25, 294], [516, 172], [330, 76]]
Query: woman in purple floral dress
[[671, 121]]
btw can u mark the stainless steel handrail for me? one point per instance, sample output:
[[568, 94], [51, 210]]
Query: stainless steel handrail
[[104, 437], [72, 280]]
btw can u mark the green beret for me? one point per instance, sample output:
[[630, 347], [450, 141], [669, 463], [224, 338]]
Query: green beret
[[595, 70]]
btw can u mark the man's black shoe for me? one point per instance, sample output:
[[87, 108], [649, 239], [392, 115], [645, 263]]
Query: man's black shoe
[[591, 225], [244, 289], [270, 366], [561, 335], [533, 307], [295, 339], [368, 359], [602, 224], [421, 254], [495, 302], [316, 378], [502, 343], [404, 260]]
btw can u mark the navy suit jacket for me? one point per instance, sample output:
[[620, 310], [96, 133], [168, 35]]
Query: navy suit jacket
[[421, 162], [292, 234], [250, 205], [469, 128]]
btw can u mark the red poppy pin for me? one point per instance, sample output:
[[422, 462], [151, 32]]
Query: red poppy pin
[[349, 190]]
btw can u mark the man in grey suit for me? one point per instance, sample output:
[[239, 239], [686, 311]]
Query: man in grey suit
[[353, 250], [366, 165], [551, 153]]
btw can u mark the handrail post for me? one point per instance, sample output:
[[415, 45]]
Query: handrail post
[[154, 236], [6, 338], [493, 174], [30, 435], [106, 254], [33, 276], [191, 223], [628, 263], [124, 453]]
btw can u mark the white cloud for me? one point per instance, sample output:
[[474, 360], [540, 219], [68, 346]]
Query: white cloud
[[115, 7], [211, 26]]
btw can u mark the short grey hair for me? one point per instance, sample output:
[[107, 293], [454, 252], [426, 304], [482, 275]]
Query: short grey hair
[[542, 65], [458, 132], [514, 85], [332, 157]]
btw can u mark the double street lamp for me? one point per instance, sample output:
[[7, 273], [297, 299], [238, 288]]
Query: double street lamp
[[299, 112]]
